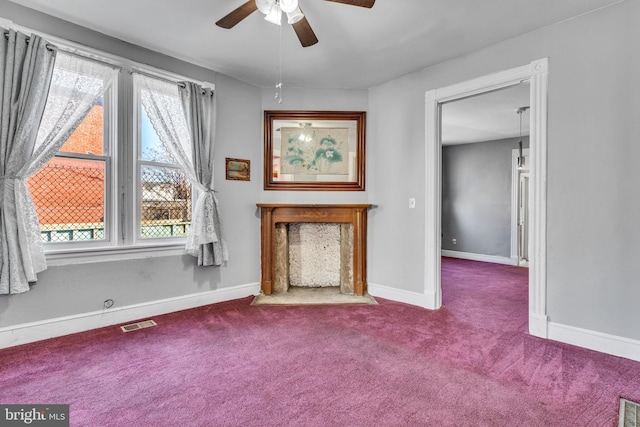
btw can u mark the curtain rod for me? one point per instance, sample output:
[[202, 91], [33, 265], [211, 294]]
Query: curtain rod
[[48, 45], [164, 79], [54, 48], [88, 58]]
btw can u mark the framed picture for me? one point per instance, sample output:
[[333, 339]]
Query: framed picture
[[314, 150], [238, 169]]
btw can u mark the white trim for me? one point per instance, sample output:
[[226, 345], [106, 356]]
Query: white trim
[[35, 331], [433, 199], [484, 84], [538, 193], [598, 341], [536, 73], [398, 295], [114, 253], [478, 257], [538, 324], [6, 23], [515, 185]]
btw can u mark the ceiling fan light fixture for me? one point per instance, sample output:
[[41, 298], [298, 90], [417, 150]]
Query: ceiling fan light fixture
[[288, 6], [265, 6], [274, 16], [294, 16]]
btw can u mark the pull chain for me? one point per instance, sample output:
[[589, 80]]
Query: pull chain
[[279, 78]]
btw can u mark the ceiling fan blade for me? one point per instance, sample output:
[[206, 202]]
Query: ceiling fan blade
[[304, 32], [362, 3], [237, 15]]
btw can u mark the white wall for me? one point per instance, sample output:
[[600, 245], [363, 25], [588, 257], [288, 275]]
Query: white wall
[[593, 134]]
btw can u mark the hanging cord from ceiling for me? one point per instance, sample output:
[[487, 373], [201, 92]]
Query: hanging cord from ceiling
[[279, 68]]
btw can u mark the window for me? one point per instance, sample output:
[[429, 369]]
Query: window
[[113, 184], [163, 191], [72, 192]]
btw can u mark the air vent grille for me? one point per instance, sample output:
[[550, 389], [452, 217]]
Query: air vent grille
[[138, 325]]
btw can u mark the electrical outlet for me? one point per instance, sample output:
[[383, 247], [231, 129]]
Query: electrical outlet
[[454, 241], [412, 203]]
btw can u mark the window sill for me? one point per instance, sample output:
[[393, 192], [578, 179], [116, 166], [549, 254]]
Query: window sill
[[90, 255]]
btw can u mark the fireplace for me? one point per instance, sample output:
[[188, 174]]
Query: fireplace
[[274, 242]]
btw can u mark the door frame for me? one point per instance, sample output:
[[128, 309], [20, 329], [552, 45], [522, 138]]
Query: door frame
[[536, 73], [515, 192]]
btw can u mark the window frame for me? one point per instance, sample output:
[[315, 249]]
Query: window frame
[[120, 150], [109, 141], [138, 163]]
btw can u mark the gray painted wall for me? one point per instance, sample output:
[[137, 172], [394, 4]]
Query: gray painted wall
[[593, 243], [476, 196], [593, 134], [76, 289]]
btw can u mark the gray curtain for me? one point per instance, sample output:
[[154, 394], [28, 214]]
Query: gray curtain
[[184, 117], [26, 67], [200, 110]]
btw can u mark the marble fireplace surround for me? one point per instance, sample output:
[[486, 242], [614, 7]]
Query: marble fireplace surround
[[353, 253]]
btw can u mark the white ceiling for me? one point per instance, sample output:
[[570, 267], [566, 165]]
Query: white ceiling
[[358, 47], [487, 117]]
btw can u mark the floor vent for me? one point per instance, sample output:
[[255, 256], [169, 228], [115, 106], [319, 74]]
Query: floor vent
[[629, 414], [138, 325]]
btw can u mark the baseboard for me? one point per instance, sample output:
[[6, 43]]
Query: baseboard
[[478, 257], [399, 295], [538, 325], [598, 341], [35, 331], [51, 328]]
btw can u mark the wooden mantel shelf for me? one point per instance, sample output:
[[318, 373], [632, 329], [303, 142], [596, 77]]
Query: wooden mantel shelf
[[354, 214]]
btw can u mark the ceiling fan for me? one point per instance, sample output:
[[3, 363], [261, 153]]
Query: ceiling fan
[[273, 10]]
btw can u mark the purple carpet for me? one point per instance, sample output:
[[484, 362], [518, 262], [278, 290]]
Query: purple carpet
[[470, 363]]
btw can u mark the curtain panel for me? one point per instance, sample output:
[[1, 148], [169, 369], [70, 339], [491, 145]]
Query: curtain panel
[[65, 88], [26, 68], [184, 117]]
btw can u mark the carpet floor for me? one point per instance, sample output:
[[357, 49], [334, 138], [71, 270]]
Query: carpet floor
[[470, 363]]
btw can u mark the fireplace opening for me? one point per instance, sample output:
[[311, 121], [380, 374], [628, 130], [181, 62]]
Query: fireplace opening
[[314, 255]]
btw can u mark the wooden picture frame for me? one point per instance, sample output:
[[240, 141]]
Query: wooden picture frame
[[314, 150], [238, 169]]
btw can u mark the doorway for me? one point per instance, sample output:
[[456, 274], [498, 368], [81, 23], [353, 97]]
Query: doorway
[[536, 73], [479, 199]]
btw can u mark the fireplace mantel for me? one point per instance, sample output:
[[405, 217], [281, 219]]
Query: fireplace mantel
[[354, 214]]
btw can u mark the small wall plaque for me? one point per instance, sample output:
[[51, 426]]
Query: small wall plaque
[[238, 169]]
